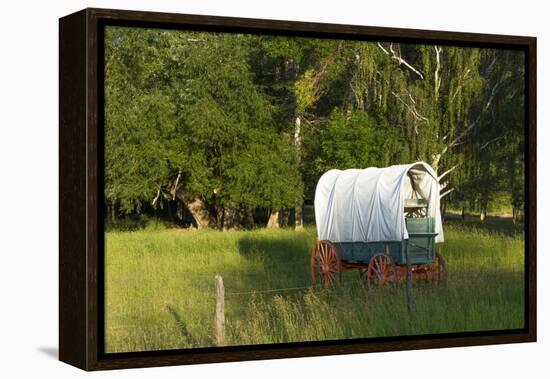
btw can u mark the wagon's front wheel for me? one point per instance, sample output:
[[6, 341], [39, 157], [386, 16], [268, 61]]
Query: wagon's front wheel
[[326, 266], [381, 270]]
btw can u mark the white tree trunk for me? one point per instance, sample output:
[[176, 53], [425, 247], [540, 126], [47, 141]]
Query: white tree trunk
[[482, 215], [230, 218], [197, 208], [273, 221], [437, 78], [299, 217]]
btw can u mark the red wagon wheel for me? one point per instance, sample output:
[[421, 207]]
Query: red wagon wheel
[[381, 270], [440, 269], [326, 266]]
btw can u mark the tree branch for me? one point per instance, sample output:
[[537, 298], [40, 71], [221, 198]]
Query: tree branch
[[467, 131], [410, 107], [490, 142], [437, 157], [458, 140], [447, 172], [156, 197], [446, 193], [464, 77], [312, 119], [399, 59], [174, 189]]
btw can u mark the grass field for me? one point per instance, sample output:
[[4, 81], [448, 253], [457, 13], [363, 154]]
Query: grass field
[[160, 295]]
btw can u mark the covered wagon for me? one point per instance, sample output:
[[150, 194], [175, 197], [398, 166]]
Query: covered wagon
[[374, 219]]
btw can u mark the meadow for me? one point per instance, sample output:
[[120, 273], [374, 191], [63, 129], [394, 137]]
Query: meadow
[[160, 288]]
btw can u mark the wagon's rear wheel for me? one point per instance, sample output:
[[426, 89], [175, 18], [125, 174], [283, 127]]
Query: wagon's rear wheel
[[440, 269], [381, 270], [326, 266]]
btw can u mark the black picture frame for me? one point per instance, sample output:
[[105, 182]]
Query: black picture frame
[[81, 189]]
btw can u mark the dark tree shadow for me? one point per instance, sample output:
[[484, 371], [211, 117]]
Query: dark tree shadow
[[493, 224], [283, 261], [182, 328]]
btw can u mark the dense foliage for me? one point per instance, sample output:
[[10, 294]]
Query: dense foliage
[[213, 129]]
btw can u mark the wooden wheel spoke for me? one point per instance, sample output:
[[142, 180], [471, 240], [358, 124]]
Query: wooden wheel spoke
[[381, 269], [384, 265], [325, 264], [328, 257], [377, 263]]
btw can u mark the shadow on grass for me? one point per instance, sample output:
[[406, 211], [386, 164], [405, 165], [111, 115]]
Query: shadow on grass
[[182, 328], [284, 257], [493, 224]]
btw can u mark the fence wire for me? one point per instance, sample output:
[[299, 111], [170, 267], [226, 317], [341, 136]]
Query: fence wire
[[285, 289]]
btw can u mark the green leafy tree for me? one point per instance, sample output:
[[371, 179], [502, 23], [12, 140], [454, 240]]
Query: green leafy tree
[[355, 139], [182, 115]]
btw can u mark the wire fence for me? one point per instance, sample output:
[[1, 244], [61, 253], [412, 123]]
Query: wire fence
[[286, 289], [271, 290], [180, 324]]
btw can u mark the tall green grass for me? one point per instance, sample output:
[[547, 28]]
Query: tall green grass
[[159, 289]]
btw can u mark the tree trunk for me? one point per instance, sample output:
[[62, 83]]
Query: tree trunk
[[248, 218], [284, 215], [273, 221], [517, 215], [483, 210], [299, 219], [197, 208], [437, 77], [218, 217], [230, 218], [113, 213]]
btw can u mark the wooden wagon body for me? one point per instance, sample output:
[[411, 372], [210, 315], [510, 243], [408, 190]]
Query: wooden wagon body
[[386, 260], [420, 246]]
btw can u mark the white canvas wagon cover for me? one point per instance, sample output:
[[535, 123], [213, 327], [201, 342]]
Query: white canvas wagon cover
[[367, 205]]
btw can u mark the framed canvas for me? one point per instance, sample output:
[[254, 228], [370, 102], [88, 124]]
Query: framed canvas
[[240, 189]]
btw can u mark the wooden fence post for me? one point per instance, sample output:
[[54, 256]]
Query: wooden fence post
[[410, 299], [219, 318]]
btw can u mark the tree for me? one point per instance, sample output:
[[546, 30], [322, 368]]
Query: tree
[[356, 139], [182, 118]]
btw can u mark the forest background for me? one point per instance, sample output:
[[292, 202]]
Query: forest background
[[219, 130]]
